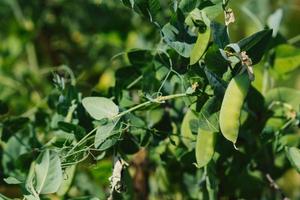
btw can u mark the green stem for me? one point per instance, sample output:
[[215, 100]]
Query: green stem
[[159, 99], [81, 141]]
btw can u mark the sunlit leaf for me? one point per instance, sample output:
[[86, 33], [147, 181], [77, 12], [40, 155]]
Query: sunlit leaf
[[103, 133], [48, 173], [100, 107], [293, 155]]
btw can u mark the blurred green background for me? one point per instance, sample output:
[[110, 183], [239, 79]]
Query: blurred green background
[[37, 37], [85, 41]]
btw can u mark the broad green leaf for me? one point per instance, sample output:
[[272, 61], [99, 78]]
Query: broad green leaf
[[109, 142], [77, 130], [176, 35], [69, 173], [205, 147], [147, 8], [218, 85], [209, 115], [139, 56], [29, 184], [103, 133], [213, 11], [188, 5], [12, 126], [290, 140], [256, 44], [284, 95], [274, 21], [187, 136], [170, 35], [293, 154], [100, 107], [214, 60], [287, 59], [48, 173], [12, 180], [202, 40], [219, 34]]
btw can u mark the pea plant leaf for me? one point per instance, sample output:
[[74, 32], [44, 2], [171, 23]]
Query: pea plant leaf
[[104, 132], [219, 34], [284, 95], [218, 85], [48, 173], [287, 60], [293, 154], [208, 116], [256, 44], [175, 34], [100, 107], [147, 8], [45, 175]]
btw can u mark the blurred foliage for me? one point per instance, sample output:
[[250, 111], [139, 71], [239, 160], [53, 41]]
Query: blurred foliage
[[55, 52]]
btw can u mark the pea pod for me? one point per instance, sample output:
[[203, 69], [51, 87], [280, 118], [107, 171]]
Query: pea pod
[[205, 147], [231, 106]]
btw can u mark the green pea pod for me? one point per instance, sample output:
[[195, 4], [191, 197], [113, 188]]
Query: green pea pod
[[205, 147], [231, 106]]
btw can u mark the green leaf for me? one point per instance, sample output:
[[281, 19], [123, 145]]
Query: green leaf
[[148, 8], [103, 133], [219, 34], [187, 136], [218, 85], [209, 117], [77, 130], [287, 59], [109, 142], [214, 60], [139, 56], [170, 35], [284, 95], [12, 126], [293, 154], [176, 36], [100, 107], [205, 147], [290, 140], [188, 5], [12, 180], [274, 21], [256, 45], [3, 108], [214, 10], [48, 173]]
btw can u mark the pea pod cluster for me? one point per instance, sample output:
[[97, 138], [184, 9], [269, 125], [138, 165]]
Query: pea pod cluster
[[231, 107]]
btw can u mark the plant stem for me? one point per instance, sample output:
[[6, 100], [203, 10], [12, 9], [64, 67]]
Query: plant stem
[[159, 99]]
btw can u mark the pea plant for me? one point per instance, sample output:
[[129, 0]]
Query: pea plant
[[196, 115]]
